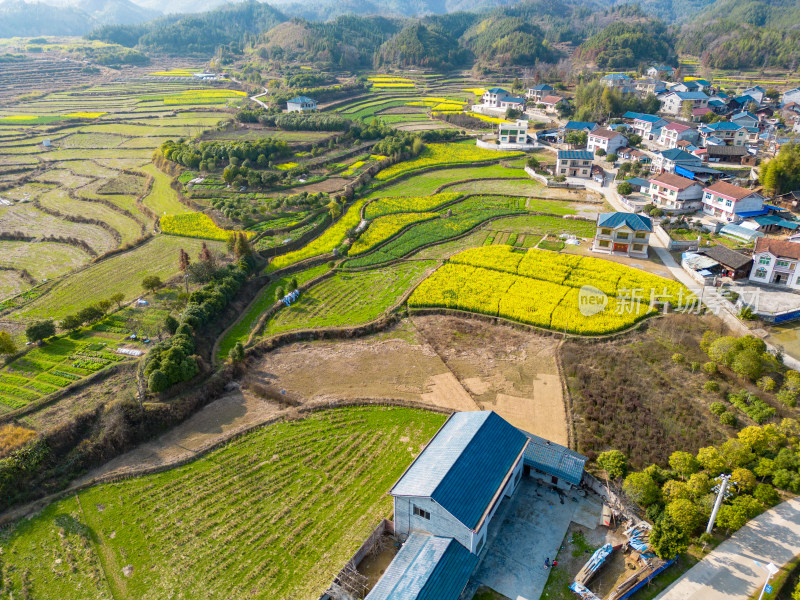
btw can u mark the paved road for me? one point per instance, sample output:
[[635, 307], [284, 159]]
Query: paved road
[[729, 572]]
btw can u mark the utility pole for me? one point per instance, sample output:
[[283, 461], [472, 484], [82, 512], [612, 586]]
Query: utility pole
[[723, 487]]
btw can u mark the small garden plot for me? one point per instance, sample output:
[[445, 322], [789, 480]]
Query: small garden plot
[[543, 289], [209, 96], [441, 155], [196, 225], [352, 455], [544, 224], [241, 330], [349, 298], [280, 239], [464, 216]]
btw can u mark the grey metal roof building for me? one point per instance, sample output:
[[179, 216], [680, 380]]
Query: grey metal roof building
[[554, 459]]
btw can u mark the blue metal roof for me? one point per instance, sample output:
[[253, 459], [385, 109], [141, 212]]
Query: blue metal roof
[[580, 125], [723, 126], [515, 99], [634, 221], [616, 76], [554, 459], [542, 87], [426, 568], [638, 181], [716, 102], [631, 115], [497, 90], [464, 465], [574, 155], [691, 95], [744, 113], [676, 154], [748, 214], [648, 118], [300, 100]]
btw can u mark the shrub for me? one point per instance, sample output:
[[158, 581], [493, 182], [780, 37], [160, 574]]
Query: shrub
[[728, 418], [667, 538], [612, 158], [678, 358], [600, 152], [641, 488], [748, 364], [710, 368], [767, 384], [717, 407], [787, 397], [624, 189], [694, 366], [614, 463], [766, 494]]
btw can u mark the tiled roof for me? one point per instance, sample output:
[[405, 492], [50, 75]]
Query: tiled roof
[[574, 155], [554, 459], [605, 133], [551, 99], [579, 125], [778, 247], [726, 256], [648, 118], [729, 191], [426, 568], [634, 221], [464, 465], [680, 128], [673, 182]]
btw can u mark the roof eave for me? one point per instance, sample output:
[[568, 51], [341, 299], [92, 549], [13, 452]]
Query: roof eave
[[503, 484]]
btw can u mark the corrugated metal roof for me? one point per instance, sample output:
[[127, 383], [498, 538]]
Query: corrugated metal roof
[[300, 100], [632, 220], [426, 568], [554, 459], [464, 465], [496, 90], [574, 155], [580, 125], [739, 232], [648, 118]]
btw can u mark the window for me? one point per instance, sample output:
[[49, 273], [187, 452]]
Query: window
[[764, 260], [603, 243], [728, 203], [761, 273], [622, 235], [639, 235], [418, 512], [782, 263], [605, 231], [638, 247]]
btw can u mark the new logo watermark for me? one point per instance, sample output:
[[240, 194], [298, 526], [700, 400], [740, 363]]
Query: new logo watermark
[[591, 300]]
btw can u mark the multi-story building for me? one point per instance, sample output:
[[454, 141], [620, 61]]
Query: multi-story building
[[607, 140], [538, 92], [493, 97], [574, 163], [672, 133], [775, 262], [730, 133], [513, 133], [622, 233], [645, 125], [673, 102], [616, 80], [728, 202], [668, 159], [673, 193]]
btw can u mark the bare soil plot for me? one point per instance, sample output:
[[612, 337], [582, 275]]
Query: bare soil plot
[[332, 184]]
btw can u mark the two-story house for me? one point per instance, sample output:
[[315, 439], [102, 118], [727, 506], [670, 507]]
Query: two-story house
[[673, 193], [606, 140], [585, 126], [744, 119], [673, 102], [574, 163], [666, 160], [728, 202], [756, 93], [672, 133], [645, 125], [730, 133], [515, 102], [775, 262], [539, 91], [660, 72], [494, 96], [301, 104], [616, 80], [790, 96], [648, 85], [513, 133], [622, 233], [552, 103]]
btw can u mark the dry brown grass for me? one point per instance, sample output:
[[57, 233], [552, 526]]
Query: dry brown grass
[[13, 437]]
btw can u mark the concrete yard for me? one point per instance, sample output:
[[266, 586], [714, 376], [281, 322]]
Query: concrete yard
[[529, 527]]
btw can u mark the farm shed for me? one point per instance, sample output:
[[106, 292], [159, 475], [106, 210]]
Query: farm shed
[[553, 463], [426, 566], [732, 263]]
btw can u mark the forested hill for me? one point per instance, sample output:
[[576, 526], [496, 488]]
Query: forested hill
[[26, 19]]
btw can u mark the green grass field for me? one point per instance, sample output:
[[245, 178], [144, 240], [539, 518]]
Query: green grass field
[[120, 273], [430, 181], [349, 298], [274, 514], [162, 198]]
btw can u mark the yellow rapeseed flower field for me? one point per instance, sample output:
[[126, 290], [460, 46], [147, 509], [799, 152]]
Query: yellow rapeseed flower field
[[195, 225], [443, 154]]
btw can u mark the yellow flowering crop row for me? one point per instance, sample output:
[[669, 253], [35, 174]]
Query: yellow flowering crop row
[[382, 229], [175, 73], [378, 156], [389, 79], [443, 154], [354, 167], [404, 204], [381, 84], [326, 242], [487, 118], [195, 225], [286, 166], [85, 115], [544, 289], [476, 91]]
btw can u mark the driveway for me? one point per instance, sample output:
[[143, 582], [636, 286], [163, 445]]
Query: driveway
[[529, 527], [729, 572]]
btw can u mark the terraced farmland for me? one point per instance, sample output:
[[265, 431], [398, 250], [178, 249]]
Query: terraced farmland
[[305, 495]]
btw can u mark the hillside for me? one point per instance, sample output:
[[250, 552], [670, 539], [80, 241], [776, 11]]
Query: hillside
[[626, 45], [25, 19], [416, 44]]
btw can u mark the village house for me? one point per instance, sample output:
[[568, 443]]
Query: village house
[[727, 154], [515, 102], [538, 92], [731, 263], [552, 103], [616, 80], [660, 72], [666, 160], [730, 133], [756, 93], [687, 85], [301, 104], [622, 233], [673, 193], [744, 119], [649, 86], [633, 154], [606, 140], [574, 163], [673, 102], [775, 262], [646, 125], [672, 133], [728, 202], [790, 96], [513, 133], [584, 126], [493, 97]]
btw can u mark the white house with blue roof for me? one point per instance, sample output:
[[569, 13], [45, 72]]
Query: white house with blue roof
[[616, 80], [494, 96], [622, 233], [673, 102], [455, 485], [301, 104]]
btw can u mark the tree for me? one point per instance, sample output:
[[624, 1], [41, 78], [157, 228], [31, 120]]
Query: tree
[[676, 490], [683, 463], [279, 293], [711, 460], [205, 255], [533, 163], [171, 324], [71, 322], [612, 158], [614, 463], [183, 260], [117, 298], [236, 355], [624, 189], [748, 364], [699, 484], [599, 152], [685, 514], [668, 539], [151, 283], [242, 248], [576, 138], [7, 345], [158, 381], [230, 242], [334, 210], [686, 109], [40, 330], [782, 174], [641, 488], [745, 480]]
